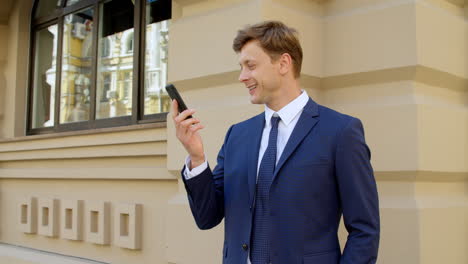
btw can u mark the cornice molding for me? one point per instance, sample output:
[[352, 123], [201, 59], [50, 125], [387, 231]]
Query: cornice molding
[[421, 176], [460, 3], [142, 142]]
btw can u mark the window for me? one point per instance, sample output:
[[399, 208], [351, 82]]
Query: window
[[106, 47], [128, 48], [97, 63]]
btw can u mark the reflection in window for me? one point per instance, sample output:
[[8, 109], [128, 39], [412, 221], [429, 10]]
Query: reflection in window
[[97, 62], [45, 8], [116, 23], [157, 36], [72, 2], [128, 48], [76, 67], [106, 84], [106, 47], [44, 77], [126, 85]]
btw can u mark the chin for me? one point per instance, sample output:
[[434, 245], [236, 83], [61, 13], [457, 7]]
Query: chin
[[254, 100]]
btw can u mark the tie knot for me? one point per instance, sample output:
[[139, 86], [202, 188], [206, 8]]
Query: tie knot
[[274, 121]]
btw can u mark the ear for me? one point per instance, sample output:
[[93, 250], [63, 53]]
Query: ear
[[285, 63]]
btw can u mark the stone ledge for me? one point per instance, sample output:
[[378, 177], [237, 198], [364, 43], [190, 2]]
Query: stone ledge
[[460, 3], [149, 173], [418, 73], [84, 132], [421, 176], [90, 139], [147, 148]]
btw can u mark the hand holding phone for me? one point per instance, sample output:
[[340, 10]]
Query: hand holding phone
[[186, 131], [174, 94]]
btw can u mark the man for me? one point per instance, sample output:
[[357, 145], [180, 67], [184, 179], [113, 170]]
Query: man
[[284, 177]]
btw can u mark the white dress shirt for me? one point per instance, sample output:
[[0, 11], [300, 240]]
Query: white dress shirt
[[289, 115]]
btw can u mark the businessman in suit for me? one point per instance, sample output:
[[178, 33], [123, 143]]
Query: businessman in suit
[[285, 177]]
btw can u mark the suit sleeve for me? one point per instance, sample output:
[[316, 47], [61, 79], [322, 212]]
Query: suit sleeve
[[206, 192], [358, 194]]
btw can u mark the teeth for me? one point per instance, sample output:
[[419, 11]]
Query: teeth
[[252, 87]]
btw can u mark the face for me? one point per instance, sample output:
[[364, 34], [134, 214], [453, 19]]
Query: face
[[260, 75]]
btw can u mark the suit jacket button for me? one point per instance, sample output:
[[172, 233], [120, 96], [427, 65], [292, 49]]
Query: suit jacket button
[[245, 247]]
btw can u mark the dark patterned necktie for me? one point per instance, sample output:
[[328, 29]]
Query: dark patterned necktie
[[260, 244]]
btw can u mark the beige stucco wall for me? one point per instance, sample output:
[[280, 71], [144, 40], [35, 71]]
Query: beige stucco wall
[[399, 66], [16, 70], [3, 56]]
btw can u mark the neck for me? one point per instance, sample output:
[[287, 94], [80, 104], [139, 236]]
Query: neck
[[285, 95]]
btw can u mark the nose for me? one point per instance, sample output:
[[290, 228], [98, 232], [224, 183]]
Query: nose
[[243, 76]]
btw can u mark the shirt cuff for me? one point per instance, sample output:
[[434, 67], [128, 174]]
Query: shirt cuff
[[188, 174]]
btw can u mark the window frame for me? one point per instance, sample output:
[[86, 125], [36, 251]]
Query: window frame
[[138, 72]]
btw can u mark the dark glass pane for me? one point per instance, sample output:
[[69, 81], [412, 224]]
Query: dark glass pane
[[45, 52], [157, 36], [47, 7], [158, 10], [76, 66], [115, 59]]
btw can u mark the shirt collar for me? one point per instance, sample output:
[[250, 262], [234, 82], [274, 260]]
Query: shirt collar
[[289, 111]]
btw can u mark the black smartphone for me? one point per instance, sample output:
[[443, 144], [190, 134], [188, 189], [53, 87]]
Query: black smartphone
[[174, 94]]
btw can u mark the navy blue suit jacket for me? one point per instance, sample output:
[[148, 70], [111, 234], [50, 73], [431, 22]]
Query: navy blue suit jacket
[[324, 172]]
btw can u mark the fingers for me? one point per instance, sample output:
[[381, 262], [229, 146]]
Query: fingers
[[175, 112], [189, 122], [185, 127], [182, 116], [196, 127], [174, 109]]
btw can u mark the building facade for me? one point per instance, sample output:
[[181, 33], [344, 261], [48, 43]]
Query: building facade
[[89, 167]]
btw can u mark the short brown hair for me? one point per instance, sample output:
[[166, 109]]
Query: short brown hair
[[275, 39]]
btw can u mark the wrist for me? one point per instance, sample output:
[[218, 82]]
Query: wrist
[[196, 161]]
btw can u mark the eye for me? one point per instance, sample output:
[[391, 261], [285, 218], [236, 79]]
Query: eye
[[251, 66]]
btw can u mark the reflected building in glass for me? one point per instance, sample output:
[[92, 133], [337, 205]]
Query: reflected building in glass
[[114, 71], [156, 97], [76, 67], [44, 77]]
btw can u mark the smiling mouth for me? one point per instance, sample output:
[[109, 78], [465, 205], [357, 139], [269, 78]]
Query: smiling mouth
[[252, 89]]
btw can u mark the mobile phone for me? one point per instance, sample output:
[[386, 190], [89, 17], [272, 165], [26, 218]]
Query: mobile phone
[[174, 94]]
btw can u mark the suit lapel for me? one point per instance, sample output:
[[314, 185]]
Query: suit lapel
[[306, 122], [253, 146]]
